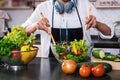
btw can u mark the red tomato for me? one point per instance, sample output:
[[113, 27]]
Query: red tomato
[[85, 71], [24, 44], [98, 70], [79, 51], [62, 57], [90, 66]]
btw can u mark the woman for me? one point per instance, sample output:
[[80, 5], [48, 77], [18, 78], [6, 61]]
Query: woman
[[66, 18]]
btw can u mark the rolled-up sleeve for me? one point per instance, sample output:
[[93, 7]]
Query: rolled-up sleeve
[[105, 20], [35, 16]]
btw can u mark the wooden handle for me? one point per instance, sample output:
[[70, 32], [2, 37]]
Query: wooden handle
[[85, 30], [84, 34], [42, 15], [53, 40]]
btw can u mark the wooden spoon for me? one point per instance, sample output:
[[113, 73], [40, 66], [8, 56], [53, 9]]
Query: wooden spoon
[[53, 40], [85, 29]]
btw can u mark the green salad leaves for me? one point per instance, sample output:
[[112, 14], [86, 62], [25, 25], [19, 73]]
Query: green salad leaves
[[74, 50], [14, 40]]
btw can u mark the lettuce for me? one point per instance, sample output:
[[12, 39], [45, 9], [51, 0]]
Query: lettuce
[[15, 39]]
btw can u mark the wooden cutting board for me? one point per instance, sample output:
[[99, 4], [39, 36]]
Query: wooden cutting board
[[115, 65]]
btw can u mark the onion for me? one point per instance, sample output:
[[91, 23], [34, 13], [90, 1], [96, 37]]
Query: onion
[[69, 66]]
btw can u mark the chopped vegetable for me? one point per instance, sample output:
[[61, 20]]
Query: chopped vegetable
[[110, 57], [74, 50], [105, 56]]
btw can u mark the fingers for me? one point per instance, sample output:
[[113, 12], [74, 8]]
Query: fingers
[[45, 21], [46, 29], [94, 23], [91, 21], [43, 24]]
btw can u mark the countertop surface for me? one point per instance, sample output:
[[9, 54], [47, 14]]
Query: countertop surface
[[49, 69]]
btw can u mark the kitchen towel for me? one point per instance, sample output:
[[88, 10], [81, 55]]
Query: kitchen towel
[[3, 17]]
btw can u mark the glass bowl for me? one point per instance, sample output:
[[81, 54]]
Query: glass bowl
[[64, 51], [19, 59]]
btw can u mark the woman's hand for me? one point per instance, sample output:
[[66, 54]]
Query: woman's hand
[[43, 24], [91, 22]]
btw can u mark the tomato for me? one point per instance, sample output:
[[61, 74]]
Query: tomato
[[85, 71], [79, 51], [69, 66], [62, 57], [98, 70], [15, 54], [24, 44]]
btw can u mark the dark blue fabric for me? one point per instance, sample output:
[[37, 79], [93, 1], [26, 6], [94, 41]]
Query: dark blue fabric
[[76, 33]]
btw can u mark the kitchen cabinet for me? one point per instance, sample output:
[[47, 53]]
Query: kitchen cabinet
[[33, 3], [25, 7], [19, 3]]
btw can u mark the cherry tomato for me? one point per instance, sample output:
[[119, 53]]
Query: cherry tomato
[[98, 70], [62, 57], [85, 71]]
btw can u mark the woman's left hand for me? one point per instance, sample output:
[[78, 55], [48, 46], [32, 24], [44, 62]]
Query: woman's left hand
[[91, 22]]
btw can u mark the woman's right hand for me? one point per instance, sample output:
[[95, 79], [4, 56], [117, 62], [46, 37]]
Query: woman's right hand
[[43, 24]]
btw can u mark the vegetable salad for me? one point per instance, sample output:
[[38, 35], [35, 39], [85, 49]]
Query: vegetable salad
[[74, 50]]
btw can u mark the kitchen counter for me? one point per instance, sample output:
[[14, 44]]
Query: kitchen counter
[[49, 69]]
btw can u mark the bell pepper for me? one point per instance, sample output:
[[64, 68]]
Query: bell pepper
[[27, 54], [74, 49]]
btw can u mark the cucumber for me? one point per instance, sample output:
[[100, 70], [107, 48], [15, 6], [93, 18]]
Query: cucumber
[[117, 60], [98, 53], [110, 57], [107, 66], [105, 56]]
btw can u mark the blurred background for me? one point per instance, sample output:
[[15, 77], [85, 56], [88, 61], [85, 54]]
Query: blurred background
[[16, 12], [108, 9]]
